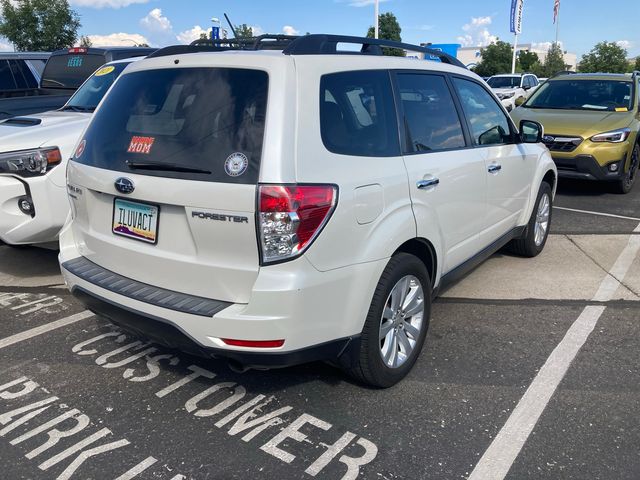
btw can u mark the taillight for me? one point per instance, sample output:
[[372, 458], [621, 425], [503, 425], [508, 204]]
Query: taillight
[[290, 217], [78, 50]]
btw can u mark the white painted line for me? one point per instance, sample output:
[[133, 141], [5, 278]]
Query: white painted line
[[505, 448], [34, 332], [601, 214], [497, 460], [611, 282]]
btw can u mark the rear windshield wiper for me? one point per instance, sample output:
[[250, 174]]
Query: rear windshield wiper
[[166, 167]]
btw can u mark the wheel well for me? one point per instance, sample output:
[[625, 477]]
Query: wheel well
[[550, 178], [423, 249]]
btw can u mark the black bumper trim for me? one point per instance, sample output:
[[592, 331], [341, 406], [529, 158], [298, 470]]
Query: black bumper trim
[[85, 269], [585, 167], [166, 333]]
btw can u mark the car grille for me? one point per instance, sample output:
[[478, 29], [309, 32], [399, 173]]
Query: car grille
[[559, 143]]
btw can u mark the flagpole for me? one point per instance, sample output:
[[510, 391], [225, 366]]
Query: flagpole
[[557, 23], [513, 63], [377, 13]]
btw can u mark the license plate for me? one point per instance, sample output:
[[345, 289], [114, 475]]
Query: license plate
[[136, 220]]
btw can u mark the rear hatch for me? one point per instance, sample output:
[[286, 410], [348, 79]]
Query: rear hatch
[[165, 180], [69, 70]]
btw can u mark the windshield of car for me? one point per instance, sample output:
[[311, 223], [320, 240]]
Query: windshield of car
[[89, 95], [69, 70], [504, 82], [603, 95], [187, 123]]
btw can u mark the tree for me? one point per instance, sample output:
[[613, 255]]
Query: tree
[[606, 57], [496, 58], [244, 31], [204, 36], [39, 25], [554, 62], [637, 65], [143, 45], [528, 60], [389, 29], [85, 42]]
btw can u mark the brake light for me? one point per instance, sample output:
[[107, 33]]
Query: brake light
[[290, 217], [78, 50], [253, 343]]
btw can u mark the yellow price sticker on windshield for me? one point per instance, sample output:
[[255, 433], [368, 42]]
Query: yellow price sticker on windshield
[[105, 71], [622, 109]]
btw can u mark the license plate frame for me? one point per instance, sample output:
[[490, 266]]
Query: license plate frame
[[141, 207]]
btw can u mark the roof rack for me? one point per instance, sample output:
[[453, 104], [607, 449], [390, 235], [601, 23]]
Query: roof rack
[[320, 44], [313, 44], [564, 72]]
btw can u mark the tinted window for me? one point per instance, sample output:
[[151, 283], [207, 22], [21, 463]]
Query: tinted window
[[22, 74], [487, 121], [38, 65], [504, 82], [183, 123], [605, 95], [357, 114], [88, 96], [6, 77], [430, 116], [526, 82], [69, 71]]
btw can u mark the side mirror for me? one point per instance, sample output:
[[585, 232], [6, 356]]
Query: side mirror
[[527, 87], [519, 101], [531, 132]]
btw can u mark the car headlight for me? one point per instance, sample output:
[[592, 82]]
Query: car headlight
[[30, 163], [614, 136]]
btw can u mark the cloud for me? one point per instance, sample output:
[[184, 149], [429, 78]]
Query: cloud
[[289, 30], [626, 44], [192, 34], [477, 33], [5, 47], [117, 40], [156, 22], [359, 3], [257, 30], [543, 47], [105, 3]]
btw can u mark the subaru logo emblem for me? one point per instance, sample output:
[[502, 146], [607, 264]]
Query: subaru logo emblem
[[548, 139], [124, 185]]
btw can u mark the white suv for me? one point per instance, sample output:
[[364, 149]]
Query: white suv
[[513, 90], [279, 207]]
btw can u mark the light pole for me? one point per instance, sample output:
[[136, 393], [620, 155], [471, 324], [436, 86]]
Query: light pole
[[377, 20], [131, 40]]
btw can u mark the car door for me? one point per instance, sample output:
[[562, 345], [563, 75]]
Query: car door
[[447, 180], [508, 169]]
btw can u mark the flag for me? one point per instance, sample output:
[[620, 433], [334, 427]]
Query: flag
[[556, 10], [516, 16]]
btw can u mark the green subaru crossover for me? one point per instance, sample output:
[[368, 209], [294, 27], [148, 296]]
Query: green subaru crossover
[[592, 125]]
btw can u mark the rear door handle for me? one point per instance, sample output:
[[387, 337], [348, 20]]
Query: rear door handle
[[431, 182], [494, 168]]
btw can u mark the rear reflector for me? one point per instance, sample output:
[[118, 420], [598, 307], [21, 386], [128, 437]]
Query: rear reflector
[[253, 343]]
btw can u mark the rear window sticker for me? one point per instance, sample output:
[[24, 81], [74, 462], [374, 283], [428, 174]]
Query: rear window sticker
[[236, 164], [622, 109], [141, 145], [81, 147], [74, 62]]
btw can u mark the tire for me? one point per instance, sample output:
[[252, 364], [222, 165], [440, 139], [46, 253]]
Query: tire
[[625, 184], [370, 367], [531, 245]]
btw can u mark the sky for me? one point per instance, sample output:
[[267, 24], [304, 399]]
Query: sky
[[468, 22]]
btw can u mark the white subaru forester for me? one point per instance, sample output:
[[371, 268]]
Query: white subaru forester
[[281, 201]]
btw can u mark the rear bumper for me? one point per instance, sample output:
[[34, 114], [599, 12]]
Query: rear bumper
[[166, 333], [51, 207], [586, 167]]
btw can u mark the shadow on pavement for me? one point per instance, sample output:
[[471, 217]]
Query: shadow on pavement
[[28, 262]]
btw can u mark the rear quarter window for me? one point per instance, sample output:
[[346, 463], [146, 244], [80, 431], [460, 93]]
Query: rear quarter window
[[357, 114]]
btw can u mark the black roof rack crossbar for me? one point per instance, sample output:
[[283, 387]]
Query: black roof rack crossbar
[[320, 44], [263, 42]]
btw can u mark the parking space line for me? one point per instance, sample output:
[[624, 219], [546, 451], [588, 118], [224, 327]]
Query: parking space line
[[497, 460], [34, 332], [601, 214]]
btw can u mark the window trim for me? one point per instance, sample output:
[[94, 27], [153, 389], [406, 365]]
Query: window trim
[[404, 134], [515, 133]]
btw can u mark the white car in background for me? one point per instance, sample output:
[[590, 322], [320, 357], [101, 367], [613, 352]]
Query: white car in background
[[33, 154], [511, 88]]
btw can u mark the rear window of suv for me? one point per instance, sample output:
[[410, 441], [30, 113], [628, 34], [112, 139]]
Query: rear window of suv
[[70, 71], [190, 123]]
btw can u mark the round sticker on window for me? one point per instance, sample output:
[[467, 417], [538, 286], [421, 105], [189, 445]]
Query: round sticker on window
[[105, 71], [236, 164], [80, 149]]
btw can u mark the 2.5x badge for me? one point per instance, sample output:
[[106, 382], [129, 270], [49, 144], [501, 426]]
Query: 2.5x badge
[[236, 164]]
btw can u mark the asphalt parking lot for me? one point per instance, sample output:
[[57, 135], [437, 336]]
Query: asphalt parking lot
[[530, 371]]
